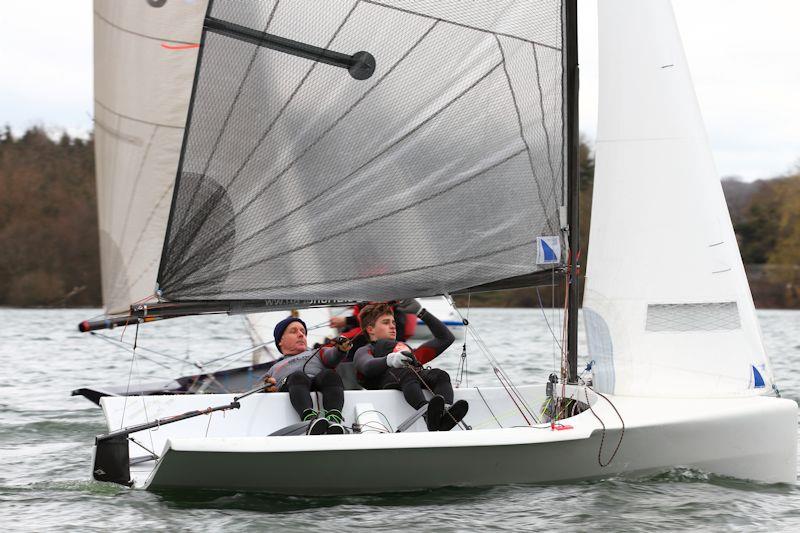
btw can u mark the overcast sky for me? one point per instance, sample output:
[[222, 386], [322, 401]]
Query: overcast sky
[[744, 57]]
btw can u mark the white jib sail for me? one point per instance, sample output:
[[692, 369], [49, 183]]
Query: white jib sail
[[144, 58], [667, 307]]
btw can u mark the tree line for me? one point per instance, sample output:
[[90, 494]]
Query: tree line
[[50, 256]]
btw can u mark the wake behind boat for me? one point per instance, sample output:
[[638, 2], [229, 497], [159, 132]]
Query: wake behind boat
[[365, 150]]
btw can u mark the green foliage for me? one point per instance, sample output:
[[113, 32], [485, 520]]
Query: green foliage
[[48, 221]]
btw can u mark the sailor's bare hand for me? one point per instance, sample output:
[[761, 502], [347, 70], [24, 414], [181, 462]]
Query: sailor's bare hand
[[271, 381], [338, 322]]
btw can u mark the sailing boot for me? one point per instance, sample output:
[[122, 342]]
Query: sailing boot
[[435, 411], [334, 417], [453, 415], [317, 425]]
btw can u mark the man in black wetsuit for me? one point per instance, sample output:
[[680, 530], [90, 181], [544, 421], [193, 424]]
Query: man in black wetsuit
[[382, 365]]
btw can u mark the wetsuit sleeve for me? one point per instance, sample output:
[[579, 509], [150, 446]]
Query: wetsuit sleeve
[[367, 365], [331, 356], [442, 338]]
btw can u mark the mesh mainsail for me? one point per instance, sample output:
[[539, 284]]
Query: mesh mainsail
[[437, 173]]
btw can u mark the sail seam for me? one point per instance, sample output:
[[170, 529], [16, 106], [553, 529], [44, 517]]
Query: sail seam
[[357, 170], [237, 96], [146, 224], [148, 122], [461, 25], [289, 100], [151, 37], [135, 188], [522, 129], [283, 171], [206, 208], [366, 222], [544, 124], [395, 273]]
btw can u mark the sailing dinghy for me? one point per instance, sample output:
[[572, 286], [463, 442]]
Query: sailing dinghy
[[315, 133]]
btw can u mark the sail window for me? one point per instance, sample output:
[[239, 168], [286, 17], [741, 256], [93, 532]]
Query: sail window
[[693, 317]]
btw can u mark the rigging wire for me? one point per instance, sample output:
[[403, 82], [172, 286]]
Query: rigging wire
[[130, 373], [506, 381], [253, 348], [463, 372], [487, 406], [126, 346]]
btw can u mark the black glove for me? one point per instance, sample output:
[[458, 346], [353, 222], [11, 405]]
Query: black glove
[[343, 344], [413, 360], [409, 305]]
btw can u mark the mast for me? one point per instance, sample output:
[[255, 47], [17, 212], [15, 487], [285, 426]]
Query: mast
[[573, 186]]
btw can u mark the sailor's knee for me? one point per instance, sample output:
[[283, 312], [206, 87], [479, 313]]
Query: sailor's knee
[[329, 378], [298, 378], [437, 375]]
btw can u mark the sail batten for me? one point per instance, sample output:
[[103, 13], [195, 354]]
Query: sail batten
[[436, 174]]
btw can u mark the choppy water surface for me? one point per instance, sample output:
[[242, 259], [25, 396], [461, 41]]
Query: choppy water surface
[[46, 438]]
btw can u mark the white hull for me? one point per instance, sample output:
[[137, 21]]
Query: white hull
[[751, 438]]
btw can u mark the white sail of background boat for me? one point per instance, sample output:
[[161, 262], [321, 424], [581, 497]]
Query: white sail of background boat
[[145, 58], [315, 132]]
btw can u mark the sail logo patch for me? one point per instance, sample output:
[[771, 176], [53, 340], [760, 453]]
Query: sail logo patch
[[758, 379], [548, 250]]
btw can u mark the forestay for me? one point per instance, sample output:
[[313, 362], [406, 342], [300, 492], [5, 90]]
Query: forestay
[[144, 60], [667, 306], [437, 173]]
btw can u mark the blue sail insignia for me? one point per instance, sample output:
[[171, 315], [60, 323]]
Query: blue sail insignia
[[758, 380], [548, 250]]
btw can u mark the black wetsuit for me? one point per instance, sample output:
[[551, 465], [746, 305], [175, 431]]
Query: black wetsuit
[[311, 370], [374, 373], [300, 386]]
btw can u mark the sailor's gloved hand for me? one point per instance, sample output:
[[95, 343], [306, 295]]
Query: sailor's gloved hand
[[412, 359], [271, 381], [409, 305], [398, 360], [343, 344]]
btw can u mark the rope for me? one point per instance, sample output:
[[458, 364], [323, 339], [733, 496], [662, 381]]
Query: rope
[[456, 422], [603, 434], [208, 426], [388, 429]]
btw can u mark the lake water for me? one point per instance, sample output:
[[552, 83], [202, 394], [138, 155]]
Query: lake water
[[46, 438]]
